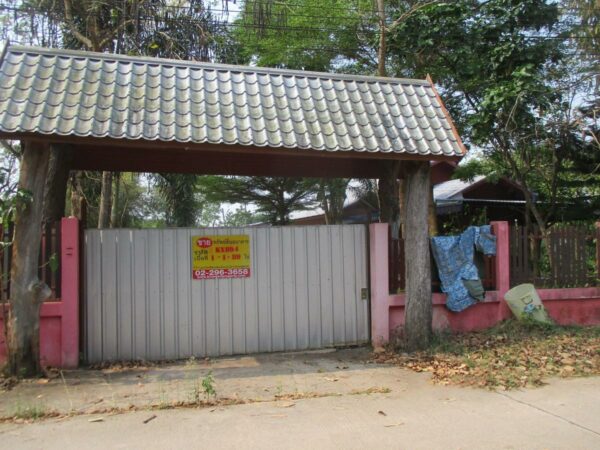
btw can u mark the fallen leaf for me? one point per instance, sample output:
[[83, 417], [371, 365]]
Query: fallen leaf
[[382, 413]]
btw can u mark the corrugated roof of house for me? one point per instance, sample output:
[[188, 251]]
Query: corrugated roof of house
[[77, 93], [453, 189]]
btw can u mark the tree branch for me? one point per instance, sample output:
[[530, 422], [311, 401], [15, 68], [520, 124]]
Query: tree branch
[[410, 12], [70, 22]]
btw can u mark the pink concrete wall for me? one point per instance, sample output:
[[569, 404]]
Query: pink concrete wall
[[59, 320], [577, 306]]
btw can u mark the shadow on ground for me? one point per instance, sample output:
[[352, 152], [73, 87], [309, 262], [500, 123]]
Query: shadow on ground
[[259, 377]]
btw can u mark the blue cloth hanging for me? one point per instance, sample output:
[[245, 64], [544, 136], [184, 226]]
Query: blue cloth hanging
[[454, 256]]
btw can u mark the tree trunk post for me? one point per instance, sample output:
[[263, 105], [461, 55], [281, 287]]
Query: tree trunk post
[[27, 292], [387, 193], [418, 311], [105, 200], [402, 204], [77, 198], [114, 207], [433, 226], [55, 192]]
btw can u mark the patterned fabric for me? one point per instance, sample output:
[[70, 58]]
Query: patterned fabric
[[454, 256]]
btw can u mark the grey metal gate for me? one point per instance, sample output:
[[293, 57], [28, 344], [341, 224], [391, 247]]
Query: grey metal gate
[[304, 292]]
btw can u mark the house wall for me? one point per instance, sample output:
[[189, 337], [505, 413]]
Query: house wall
[[575, 306]]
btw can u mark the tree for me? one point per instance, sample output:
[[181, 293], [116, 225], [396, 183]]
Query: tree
[[27, 292], [178, 192], [306, 34], [502, 66], [186, 30], [331, 195], [240, 217], [98, 25], [274, 197]]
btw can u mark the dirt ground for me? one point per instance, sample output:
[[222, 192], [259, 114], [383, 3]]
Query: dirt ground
[[326, 399], [242, 379]]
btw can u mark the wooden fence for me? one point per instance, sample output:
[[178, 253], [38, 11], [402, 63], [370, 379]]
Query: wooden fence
[[568, 257], [49, 262], [397, 268]]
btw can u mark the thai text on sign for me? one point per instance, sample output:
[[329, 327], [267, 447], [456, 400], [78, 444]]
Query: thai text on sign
[[220, 256]]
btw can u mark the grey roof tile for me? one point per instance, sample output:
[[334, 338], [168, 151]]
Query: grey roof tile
[[102, 95]]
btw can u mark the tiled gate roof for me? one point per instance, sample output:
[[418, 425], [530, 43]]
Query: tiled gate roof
[[76, 93]]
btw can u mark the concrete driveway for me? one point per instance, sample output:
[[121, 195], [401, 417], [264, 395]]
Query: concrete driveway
[[319, 400]]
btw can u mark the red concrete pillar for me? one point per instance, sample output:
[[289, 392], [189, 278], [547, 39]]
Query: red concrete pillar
[[380, 310], [70, 292], [501, 231]]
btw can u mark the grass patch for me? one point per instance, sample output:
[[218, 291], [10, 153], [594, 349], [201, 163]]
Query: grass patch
[[511, 355], [30, 412]]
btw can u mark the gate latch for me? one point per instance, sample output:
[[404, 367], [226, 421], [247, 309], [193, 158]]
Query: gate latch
[[364, 294]]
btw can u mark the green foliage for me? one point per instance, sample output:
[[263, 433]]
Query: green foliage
[[10, 196], [457, 222], [161, 28], [305, 34], [208, 385], [53, 262], [331, 194], [509, 78], [480, 52], [240, 217], [274, 197], [181, 30], [178, 192], [29, 412]]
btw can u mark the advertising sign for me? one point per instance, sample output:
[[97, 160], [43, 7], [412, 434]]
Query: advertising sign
[[220, 256]]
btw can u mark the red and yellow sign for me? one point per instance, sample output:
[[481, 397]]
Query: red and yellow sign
[[220, 256]]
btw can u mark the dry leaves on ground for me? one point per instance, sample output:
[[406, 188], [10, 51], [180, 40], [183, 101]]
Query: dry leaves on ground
[[510, 355]]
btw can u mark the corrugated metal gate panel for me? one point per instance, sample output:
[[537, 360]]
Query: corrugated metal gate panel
[[304, 293]]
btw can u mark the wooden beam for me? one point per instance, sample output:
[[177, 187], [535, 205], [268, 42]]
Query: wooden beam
[[125, 144], [152, 159]]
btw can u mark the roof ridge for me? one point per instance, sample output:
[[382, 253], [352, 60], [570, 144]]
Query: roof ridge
[[206, 65], [4, 45]]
